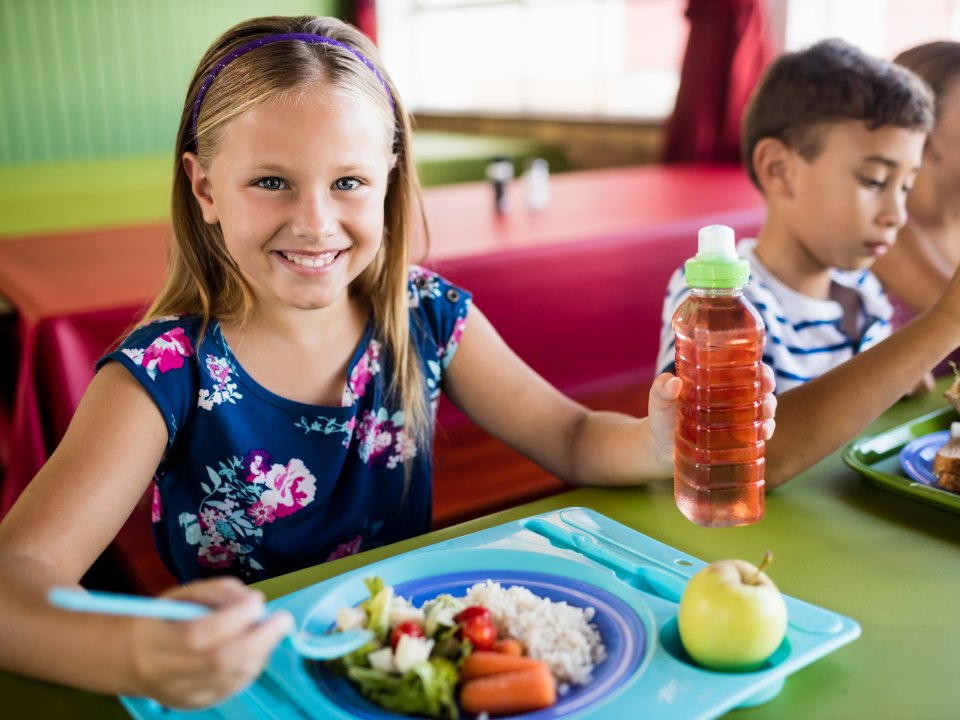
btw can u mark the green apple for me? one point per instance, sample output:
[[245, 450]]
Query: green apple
[[732, 616]]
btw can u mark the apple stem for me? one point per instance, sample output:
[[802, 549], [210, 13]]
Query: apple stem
[[767, 559]]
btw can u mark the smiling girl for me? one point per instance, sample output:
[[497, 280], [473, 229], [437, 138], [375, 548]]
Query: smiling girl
[[280, 392]]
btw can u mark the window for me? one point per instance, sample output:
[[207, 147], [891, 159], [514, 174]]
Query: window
[[616, 58], [881, 27], [602, 58]]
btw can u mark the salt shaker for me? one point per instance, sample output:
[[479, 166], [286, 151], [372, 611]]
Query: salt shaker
[[500, 173], [536, 182]]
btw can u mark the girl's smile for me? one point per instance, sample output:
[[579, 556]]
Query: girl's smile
[[305, 262]]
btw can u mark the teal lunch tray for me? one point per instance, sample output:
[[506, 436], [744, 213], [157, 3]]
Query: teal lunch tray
[[574, 555], [877, 458]]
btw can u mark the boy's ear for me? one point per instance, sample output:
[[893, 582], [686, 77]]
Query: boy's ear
[[773, 164], [200, 185]]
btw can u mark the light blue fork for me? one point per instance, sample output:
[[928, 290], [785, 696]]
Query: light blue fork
[[315, 646]]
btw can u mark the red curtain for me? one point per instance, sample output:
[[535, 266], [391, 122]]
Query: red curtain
[[727, 50], [364, 16]]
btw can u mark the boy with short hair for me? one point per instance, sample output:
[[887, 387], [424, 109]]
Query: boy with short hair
[[833, 139]]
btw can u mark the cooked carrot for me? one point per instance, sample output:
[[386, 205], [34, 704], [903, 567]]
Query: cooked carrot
[[509, 693], [487, 662], [509, 646]]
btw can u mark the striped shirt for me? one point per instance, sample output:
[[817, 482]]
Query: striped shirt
[[805, 335]]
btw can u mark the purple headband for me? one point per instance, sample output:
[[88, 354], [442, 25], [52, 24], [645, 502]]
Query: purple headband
[[268, 40]]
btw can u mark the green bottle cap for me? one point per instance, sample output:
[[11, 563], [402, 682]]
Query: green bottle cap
[[716, 264]]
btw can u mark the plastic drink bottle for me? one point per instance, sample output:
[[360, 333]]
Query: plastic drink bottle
[[719, 445]]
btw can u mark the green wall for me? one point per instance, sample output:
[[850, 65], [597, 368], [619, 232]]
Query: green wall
[[93, 79]]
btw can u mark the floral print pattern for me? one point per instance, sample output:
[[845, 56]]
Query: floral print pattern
[[156, 506], [380, 437], [423, 284], [165, 353], [252, 484], [224, 388], [290, 487], [345, 549], [241, 497], [448, 350], [367, 367], [328, 426]]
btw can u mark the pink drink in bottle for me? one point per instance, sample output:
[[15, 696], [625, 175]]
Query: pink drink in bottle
[[719, 445]]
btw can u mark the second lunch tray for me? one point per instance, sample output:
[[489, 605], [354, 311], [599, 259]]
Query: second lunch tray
[[575, 555], [877, 458]]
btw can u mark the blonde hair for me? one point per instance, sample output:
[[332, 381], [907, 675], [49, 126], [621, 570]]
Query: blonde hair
[[203, 279]]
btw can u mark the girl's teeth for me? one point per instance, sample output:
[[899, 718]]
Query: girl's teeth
[[311, 261]]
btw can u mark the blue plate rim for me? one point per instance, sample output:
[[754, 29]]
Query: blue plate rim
[[912, 462], [628, 635], [294, 676]]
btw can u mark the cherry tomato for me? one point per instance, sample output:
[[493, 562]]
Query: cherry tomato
[[476, 625], [409, 627], [471, 612]]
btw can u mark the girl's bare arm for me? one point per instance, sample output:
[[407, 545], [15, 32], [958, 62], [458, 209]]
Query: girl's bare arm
[[65, 518], [824, 414], [502, 394]]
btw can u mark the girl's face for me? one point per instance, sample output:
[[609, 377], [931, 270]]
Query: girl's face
[[298, 187]]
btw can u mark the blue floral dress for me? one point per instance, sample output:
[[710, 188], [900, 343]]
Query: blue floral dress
[[255, 485]]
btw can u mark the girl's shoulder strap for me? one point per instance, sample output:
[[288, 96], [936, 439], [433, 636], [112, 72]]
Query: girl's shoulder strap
[[162, 355], [438, 310], [429, 292]]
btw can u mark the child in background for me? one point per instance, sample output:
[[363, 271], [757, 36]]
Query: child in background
[[281, 390], [918, 267], [833, 139]]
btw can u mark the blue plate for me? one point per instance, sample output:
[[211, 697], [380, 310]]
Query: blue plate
[[624, 637], [916, 458], [625, 623]]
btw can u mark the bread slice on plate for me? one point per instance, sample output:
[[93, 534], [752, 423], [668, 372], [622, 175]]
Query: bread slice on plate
[[946, 463]]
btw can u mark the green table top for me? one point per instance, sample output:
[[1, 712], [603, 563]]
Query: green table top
[[888, 562], [47, 198]]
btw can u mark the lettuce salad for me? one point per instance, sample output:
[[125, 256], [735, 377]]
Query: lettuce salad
[[413, 673]]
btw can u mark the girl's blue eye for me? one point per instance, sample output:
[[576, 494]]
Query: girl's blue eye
[[347, 184], [270, 183]]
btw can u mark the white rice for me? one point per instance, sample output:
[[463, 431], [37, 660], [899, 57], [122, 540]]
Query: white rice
[[559, 634]]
